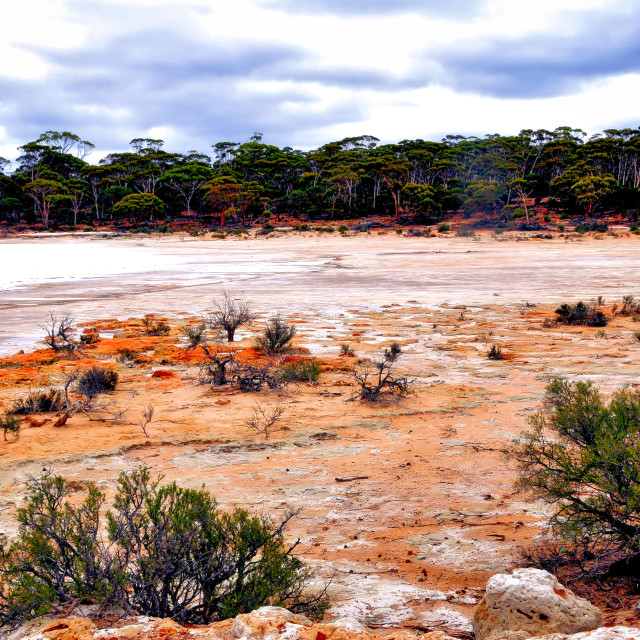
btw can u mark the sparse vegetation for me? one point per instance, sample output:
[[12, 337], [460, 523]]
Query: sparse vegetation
[[376, 381], [346, 350], [264, 419], [9, 424], [49, 400], [147, 417], [95, 381], [300, 371], [59, 333], [276, 337], [153, 327], [581, 314], [230, 314], [165, 552], [195, 334], [495, 353]]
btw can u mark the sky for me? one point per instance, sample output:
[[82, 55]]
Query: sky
[[307, 72]]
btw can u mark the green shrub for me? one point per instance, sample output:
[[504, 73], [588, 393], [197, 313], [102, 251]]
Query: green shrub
[[582, 457], [495, 353], [443, 227], [581, 314], [10, 424], [47, 401], [343, 228], [303, 371], [166, 552], [153, 328], [346, 350], [276, 337], [89, 338], [97, 380], [302, 227]]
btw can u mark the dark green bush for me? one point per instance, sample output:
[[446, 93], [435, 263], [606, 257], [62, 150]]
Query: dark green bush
[[443, 227], [582, 457], [97, 380], [10, 424], [303, 371], [276, 337], [50, 400], [581, 314], [166, 552]]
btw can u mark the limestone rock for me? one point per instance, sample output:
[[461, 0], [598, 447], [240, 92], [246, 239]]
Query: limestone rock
[[603, 633], [531, 602]]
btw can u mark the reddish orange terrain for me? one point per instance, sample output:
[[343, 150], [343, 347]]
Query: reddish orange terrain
[[408, 504]]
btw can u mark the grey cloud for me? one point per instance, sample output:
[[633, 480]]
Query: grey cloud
[[111, 93], [544, 65], [460, 10]]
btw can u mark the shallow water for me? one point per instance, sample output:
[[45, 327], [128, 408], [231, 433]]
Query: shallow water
[[320, 277]]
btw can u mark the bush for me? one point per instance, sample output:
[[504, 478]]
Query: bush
[[582, 457], [97, 380], [153, 328], [47, 401], [377, 381], [303, 371], [495, 353], [10, 424], [443, 227], [276, 337], [581, 314], [166, 552]]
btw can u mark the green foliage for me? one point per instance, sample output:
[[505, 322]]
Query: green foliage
[[346, 350], [155, 328], [303, 371], [582, 457], [97, 380], [139, 206], [495, 353], [47, 401], [166, 552], [443, 227], [581, 314], [276, 337], [10, 424]]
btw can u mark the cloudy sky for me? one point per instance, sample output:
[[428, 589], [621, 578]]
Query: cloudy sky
[[305, 72]]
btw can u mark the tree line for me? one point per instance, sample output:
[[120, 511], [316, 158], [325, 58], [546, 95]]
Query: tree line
[[416, 181]]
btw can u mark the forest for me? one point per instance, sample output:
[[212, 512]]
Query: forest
[[499, 178]]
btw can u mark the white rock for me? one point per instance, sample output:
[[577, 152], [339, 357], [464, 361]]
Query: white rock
[[531, 602], [239, 629], [350, 624], [603, 633]]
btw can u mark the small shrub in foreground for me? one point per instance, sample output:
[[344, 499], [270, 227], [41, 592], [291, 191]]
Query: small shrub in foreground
[[165, 552], [582, 457], [10, 424]]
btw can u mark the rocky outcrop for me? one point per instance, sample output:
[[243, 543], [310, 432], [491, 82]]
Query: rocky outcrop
[[531, 602], [266, 623]]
